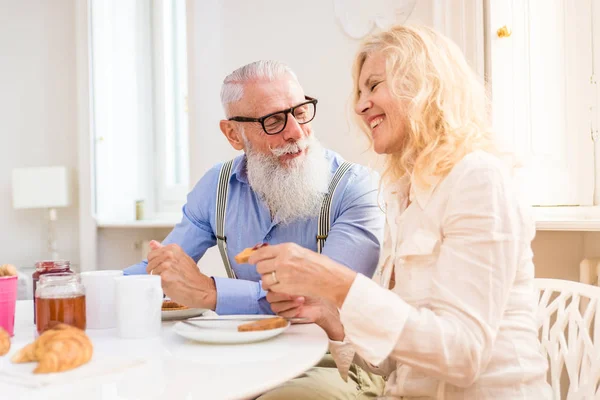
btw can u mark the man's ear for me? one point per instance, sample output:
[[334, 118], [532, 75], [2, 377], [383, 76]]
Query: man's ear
[[231, 132]]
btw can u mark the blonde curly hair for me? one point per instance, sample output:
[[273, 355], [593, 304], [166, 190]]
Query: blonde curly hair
[[446, 105]]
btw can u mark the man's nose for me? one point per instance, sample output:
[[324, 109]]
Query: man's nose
[[293, 130]]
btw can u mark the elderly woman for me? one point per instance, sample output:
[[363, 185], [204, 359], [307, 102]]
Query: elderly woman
[[450, 312]]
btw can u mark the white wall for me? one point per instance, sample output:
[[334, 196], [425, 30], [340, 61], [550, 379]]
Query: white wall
[[223, 36], [37, 119], [226, 35], [38, 102]]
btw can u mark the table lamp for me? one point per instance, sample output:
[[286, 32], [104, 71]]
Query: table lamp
[[42, 187]]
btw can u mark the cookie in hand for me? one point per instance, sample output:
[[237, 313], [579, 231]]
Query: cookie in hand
[[244, 255]]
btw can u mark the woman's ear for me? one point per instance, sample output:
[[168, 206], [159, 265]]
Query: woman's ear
[[232, 133]]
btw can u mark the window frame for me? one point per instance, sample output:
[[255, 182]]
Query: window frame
[[170, 104]]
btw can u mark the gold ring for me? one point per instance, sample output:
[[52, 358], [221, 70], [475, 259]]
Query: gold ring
[[275, 281]]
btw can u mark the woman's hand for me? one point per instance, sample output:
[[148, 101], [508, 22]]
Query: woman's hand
[[317, 310], [294, 270]]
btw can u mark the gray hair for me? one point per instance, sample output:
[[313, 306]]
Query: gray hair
[[265, 70]]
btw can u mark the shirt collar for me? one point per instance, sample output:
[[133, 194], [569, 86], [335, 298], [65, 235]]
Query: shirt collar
[[394, 190], [239, 170], [400, 189]]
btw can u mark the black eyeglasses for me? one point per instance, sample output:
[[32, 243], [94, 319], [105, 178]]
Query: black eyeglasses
[[275, 122]]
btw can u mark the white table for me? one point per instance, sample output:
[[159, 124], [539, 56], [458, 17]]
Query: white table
[[175, 368]]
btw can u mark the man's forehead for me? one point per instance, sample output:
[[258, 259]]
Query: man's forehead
[[264, 97]]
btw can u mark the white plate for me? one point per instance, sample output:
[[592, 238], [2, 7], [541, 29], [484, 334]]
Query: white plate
[[174, 315], [224, 331]]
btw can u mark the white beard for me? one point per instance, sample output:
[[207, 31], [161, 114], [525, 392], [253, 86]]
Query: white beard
[[293, 192]]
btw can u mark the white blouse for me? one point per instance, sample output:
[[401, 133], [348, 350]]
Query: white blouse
[[459, 322]]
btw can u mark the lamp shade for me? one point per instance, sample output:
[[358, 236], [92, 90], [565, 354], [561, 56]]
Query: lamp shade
[[41, 187]]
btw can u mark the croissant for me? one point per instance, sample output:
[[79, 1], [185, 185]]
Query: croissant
[[28, 353], [58, 349], [4, 342], [25, 355], [8, 270]]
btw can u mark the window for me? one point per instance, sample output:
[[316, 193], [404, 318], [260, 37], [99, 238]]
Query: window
[[138, 94], [543, 99], [170, 61]]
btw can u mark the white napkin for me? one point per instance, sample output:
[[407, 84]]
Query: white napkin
[[99, 365]]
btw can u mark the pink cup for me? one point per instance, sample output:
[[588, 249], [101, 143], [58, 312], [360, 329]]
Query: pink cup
[[8, 300]]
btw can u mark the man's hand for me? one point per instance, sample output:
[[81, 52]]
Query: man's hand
[[181, 279], [316, 310], [287, 306]]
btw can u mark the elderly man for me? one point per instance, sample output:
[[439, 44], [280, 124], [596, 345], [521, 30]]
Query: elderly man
[[284, 188]]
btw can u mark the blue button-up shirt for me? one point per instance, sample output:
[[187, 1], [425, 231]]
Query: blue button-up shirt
[[354, 239]]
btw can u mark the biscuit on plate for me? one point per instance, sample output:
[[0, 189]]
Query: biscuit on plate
[[170, 305], [263, 325]]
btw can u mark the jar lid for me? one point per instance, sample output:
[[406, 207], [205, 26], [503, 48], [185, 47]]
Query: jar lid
[[52, 264]]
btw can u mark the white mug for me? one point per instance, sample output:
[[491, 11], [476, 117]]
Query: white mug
[[139, 302], [100, 306]]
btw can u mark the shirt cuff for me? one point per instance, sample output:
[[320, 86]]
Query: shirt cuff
[[137, 269], [343, 354], [373, 319], [237, 296]]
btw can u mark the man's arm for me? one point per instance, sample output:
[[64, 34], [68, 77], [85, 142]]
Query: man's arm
[[192, 237], [354, 240], [356, 233], [194, 233], [237, 296]]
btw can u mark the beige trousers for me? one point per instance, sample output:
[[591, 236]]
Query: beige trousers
[[324, 382]]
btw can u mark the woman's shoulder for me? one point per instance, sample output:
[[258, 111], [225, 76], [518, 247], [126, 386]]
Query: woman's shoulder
[[481, 174], [484, 164], [486, 180], [484, 175]]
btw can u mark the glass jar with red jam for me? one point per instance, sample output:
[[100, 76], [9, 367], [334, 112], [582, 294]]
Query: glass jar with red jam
[[48, 267]]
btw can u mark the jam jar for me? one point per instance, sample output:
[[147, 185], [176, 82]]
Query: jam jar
[[60, 298], [48, 267]]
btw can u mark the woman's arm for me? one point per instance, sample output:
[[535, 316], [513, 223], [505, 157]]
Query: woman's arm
[[484, 236], [451, 338], [344, 354]]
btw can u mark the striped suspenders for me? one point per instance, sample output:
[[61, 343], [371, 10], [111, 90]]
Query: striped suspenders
[[324, 223], [222, 189], [324, 217]]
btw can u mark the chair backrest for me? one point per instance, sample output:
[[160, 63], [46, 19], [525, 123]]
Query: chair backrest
[[568, 318]]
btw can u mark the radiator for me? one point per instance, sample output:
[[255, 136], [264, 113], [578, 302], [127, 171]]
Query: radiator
[[589, 270], [143, 248]]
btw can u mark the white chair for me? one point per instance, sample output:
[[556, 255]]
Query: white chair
[[568, 318]]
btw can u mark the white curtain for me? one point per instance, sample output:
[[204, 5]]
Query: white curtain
[[121, 92]]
